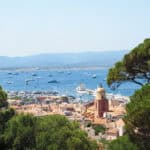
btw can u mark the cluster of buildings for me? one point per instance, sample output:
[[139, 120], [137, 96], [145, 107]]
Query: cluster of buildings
[[100, 111], [108, 113]]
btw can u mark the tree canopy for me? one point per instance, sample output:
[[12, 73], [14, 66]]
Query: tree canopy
[[134, 67], [3, 98], [122, 143], [58, 133], [54, 132], [138, 117]]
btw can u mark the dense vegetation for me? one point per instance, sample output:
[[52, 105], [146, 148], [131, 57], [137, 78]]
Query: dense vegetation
[[135, 67], [3, 99], [27, 132], [51, 132], [122, 143], [98, 128], [138, 117]]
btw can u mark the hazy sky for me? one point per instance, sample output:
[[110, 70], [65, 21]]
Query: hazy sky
[[43, 26]]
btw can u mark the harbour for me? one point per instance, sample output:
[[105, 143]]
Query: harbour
[[63, 82]]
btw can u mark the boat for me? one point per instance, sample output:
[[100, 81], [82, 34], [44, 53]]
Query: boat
[[28, 80], [38, 78], [50, 75], [104, 79], [81, 89], [9, 82], [10, 73], [94, 76], [69, 73], [53, 81], [34, 74], [16, 73]]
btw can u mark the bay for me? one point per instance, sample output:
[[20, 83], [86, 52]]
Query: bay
[[62, 81]]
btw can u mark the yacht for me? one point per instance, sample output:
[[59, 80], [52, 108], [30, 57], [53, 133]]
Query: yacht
[[53, 81], [9, 82], [81, 89], [94, 76], [34, 74]]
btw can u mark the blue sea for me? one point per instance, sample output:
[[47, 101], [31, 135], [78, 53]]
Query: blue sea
[[67, 81]]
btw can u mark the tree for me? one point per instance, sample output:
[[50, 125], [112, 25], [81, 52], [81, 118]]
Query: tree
[[56, 132], [98, 128], [3, 98], [122, 143], [5, 116], [20, 132], [134, 67], [53, 132], [137, 118]]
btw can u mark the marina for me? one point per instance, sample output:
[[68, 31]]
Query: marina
[[64, 82]]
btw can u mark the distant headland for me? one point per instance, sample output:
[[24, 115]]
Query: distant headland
[[55, 61]]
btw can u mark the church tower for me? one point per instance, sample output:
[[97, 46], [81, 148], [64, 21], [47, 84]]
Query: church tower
[[101, 103]]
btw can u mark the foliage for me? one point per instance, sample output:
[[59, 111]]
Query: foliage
[[20, 132], [135, 67], [5, 115], [53, 132], [58, 133], [89, 124], [98, 128], [3, 98], [138, 117], [122, 143]]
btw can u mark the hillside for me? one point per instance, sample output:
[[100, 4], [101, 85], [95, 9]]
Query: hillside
[[84, 59]]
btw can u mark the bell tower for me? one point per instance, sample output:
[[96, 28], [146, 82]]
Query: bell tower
[[101, 103]]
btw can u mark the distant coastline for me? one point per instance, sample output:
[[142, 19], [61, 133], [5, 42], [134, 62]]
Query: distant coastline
[[56, 68], [61, 61]]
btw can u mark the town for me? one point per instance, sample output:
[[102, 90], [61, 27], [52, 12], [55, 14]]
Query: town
[[101, 118]]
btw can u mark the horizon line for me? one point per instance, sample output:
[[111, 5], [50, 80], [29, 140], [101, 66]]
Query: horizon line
[[73, 52]]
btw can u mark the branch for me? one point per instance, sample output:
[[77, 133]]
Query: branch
[[137, 82], [143, 72]]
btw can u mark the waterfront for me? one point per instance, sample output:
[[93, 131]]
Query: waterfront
[[63, 81]]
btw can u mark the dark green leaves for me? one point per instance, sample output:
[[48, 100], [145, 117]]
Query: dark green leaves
[[135, 65]]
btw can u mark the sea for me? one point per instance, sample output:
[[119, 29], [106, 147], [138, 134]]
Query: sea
[[62, 81]]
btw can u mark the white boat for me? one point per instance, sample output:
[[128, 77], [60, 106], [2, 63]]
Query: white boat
[[94, 76], [9, 82], [38, 77], [81, 89]]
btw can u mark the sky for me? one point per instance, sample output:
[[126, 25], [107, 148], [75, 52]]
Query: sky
[[30, 27]]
